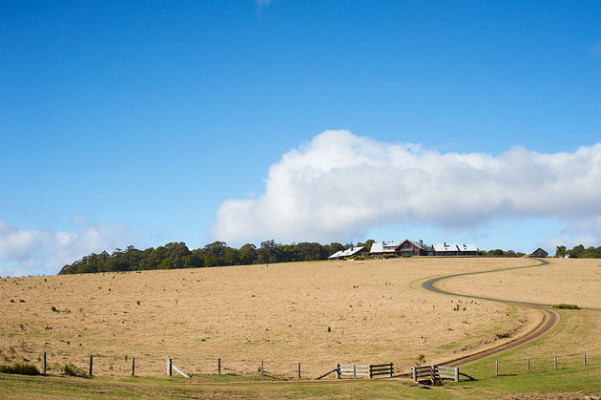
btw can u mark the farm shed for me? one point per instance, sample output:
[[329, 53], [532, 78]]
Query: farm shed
[[539, 253], [350, 252]]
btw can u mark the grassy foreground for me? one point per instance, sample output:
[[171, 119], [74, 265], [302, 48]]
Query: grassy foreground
[[317, 314], [569, 383]]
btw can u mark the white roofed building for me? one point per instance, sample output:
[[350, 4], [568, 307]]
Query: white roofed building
[[468, 249], [384, 247], [445, 249], [452, 249], [350, 252]]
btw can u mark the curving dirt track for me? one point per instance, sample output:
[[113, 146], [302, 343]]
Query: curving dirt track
[[551, 317]]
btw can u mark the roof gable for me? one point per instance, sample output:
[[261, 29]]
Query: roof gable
[[415, 244], [351, 251]]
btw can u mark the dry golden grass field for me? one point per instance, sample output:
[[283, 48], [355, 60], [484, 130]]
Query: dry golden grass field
[[567, 281], [317, 314], [570, 281]]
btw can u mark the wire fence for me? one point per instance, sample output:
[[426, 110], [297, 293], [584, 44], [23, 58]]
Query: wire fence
[[518, 366], [100, 365]]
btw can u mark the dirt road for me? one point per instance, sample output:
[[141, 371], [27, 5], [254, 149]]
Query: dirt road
[[551, 317]]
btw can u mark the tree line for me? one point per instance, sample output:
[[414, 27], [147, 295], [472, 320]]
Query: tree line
[[177, 255], [501, 253], [578, 252]]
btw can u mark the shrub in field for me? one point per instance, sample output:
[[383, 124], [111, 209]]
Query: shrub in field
[[20, 368], [72, 370], [563, 306]]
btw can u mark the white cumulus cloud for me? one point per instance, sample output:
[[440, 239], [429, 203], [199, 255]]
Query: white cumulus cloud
[[339, 185], [15, 244], [34, 252]]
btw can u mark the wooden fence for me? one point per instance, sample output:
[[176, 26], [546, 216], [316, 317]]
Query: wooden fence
[[369, 370], [434, 373]]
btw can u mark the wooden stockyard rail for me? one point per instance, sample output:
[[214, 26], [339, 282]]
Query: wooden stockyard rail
[[369, 370], [434, 373]]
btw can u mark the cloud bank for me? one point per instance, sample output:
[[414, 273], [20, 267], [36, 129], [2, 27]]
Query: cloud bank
[[36, 252], [340, 185]]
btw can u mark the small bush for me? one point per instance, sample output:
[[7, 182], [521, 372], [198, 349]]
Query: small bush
[[20, 368], [564, 306], [54, 309], [72, 370]]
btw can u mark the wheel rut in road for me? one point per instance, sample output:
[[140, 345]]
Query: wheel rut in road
[[551, 317]]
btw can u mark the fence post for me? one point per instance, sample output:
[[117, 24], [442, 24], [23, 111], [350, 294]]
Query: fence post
[[414, 374], [299, 371], [584, 359], [169, 367], [219, 366], [391, 369], [91, 363], [133, 366], [354, 371], [528, 364], [337, 371], [456, 374], [44, 363], [555, 362], [370, 372], [496, 368]]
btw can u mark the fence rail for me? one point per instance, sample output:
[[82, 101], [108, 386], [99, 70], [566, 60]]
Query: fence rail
[[369, 370], [434, 373], [381, 369], [451, 373], [353, 370]]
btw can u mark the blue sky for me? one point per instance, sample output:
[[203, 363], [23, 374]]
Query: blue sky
[[149, 122]]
